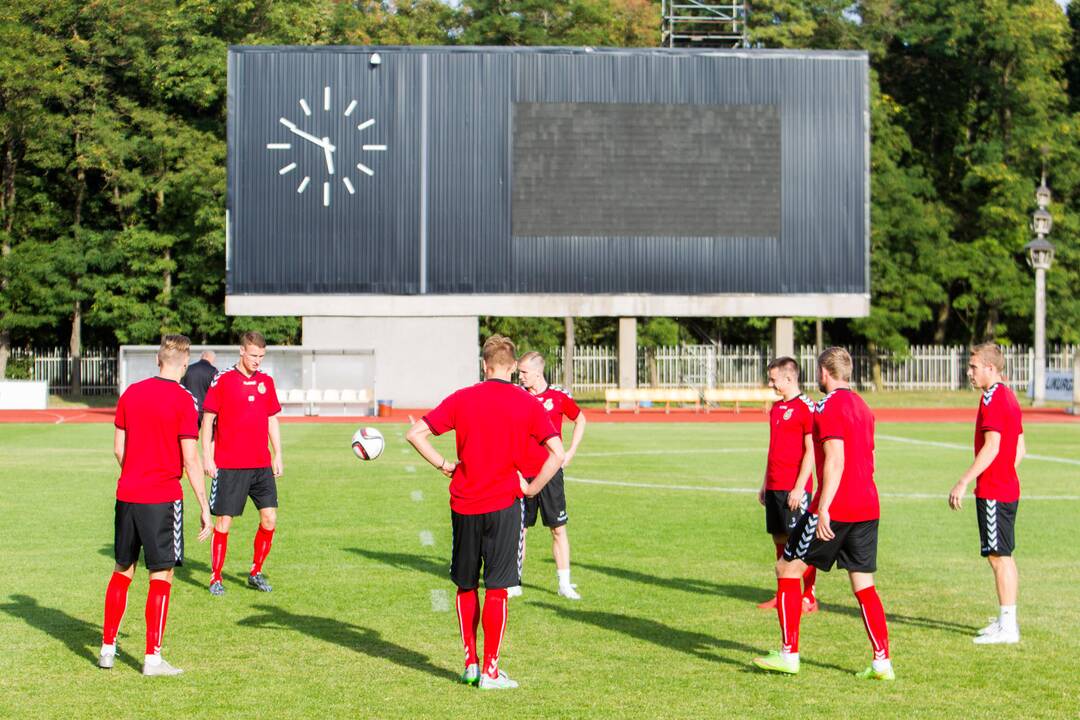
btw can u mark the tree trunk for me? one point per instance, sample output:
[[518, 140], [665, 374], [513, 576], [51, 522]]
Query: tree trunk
[[941, 324], [568, 354], [7, 213], [992, 317], [875, 366], [75, 349]]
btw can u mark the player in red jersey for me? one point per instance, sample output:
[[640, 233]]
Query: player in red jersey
[[841, 524], [494, 422], [999, 448], [154, 442], [788, 484], [244, 402], [550, 504]]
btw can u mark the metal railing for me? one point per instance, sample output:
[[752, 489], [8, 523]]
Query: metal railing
[[54, 365]]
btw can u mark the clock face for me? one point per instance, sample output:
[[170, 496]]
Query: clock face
[[319, 134]]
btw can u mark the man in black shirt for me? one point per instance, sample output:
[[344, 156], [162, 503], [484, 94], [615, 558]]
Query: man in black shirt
[[198, 377]]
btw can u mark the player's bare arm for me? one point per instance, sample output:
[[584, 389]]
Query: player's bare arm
[[119, 438], [575, 439], [193, 467], [206, 433], [989, 451], [277, 464], [419, 436], [551, 466], [830, 483], [806, 469], [1021, 450]]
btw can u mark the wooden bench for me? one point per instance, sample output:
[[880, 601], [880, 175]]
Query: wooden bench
[[688, 396], [765, 396]]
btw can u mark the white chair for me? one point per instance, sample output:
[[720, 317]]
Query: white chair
[[295, 396], [349, 396], [282, 396], [313, 396]]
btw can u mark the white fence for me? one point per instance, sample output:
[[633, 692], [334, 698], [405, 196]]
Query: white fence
[[924, 367], [54, 365]]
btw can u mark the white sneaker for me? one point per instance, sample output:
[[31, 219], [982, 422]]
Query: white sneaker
[[106, 660], [993, 627], [569, 592], [160, 668], [513, 591], [998, 636], [502, 682]]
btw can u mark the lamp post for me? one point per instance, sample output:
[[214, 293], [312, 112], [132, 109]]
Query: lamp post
[[1040, 254]]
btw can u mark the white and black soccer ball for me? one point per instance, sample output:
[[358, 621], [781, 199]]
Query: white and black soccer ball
[[367, 443]]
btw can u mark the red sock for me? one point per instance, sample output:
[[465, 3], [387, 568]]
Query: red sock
[[218, 546], [263, 540], [157, 609], [115, 605], [468, 612], [779, 550], [789, 610], [494, 627], [808, 579], [873, 615]]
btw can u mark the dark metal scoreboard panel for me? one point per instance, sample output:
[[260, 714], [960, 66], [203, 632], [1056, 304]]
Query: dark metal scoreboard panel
[[498, 170]]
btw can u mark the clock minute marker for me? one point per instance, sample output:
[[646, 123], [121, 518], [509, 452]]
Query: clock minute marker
[[366, 124], [288, 168], [326, 194], [278, 146], [365, 169], [304, 184], [349, 185], [304, 107], [377, 148], [326, 99], [348, 110]]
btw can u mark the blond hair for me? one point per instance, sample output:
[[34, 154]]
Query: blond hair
[[991, 354], [837, 362], [252, 337], [499, 351], [785, 363], [174, 350], [532, 358]]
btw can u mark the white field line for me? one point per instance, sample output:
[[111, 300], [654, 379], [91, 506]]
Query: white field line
[[943, 496], [971, 449], [674, 453], [417, 496], [410, 468], [440, 601], [426, 538]]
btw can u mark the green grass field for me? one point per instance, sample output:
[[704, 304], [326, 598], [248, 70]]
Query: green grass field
[[670, 568]]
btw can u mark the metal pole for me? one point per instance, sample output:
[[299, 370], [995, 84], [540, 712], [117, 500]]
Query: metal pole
[[1039, 395]]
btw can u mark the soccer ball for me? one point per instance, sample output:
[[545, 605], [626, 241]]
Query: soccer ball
[[367, 443]]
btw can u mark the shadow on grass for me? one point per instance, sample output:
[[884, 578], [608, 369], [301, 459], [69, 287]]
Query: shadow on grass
[[406, 561], [697, 644], [351, 637], [756, 595], [186, 573], [80, 637]]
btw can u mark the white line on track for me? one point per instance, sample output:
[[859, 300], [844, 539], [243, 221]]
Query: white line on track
[[417, 496], [753, 491], [971, 449], [426, 538], [440, 601]]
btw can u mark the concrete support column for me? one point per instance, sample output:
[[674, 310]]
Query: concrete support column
[[1039, 375], [784, 337], [627, 355]]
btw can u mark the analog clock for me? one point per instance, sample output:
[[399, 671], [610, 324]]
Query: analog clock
[[320, 133]]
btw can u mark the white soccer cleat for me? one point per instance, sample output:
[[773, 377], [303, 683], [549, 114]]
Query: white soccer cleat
[[160, 668], [993, 627], [569, 592], [998, 636], [513, 591], [502, 682], [106, 660]]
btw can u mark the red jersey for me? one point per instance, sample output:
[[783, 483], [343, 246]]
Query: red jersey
[[244, 406], [556, 403], [999, 411], [843, 415], [495, 422], [790, 421], [154, 414]]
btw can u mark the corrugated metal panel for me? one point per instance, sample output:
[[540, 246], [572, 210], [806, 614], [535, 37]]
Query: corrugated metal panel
[[372, 242]]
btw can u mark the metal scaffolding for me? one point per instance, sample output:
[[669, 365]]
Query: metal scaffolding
[[704, 24]]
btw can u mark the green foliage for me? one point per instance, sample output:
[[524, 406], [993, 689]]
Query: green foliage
[[21, 368]]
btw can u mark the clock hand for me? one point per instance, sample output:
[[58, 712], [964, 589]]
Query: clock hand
[[327, 150], [296, 131]]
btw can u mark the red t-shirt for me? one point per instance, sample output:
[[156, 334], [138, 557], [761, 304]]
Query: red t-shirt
[[790, 421], [999, 411], [556, 403], [495, 421], [154, 414], [244, 406], [843, 415]]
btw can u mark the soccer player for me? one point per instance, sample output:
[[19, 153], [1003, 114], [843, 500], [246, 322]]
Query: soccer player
[[154, 443], [244, 402], [787, 486], [551, 502], [999, 448], [494, 422], [198, 377], [841, 525]]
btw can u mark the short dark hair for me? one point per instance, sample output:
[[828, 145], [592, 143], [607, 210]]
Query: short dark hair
[[785, 363]]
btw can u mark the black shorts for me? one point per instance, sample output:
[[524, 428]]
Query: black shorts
[[551, 502], [997, 526], [853, 547], [779, 520], [157, 528], [231, 488], [493, 540]]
